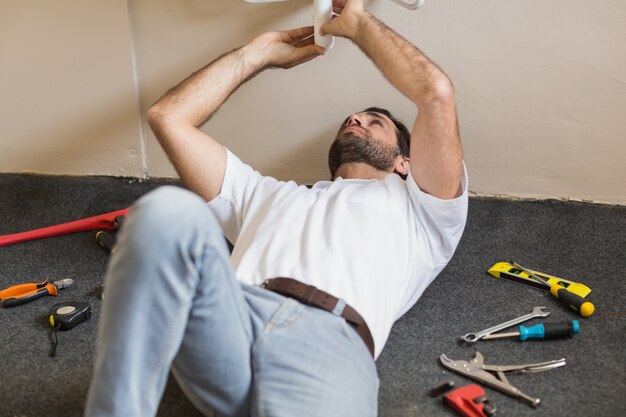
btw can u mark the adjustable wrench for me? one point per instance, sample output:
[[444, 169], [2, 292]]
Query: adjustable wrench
[[474, 337]]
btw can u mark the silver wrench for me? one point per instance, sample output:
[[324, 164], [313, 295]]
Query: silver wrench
[[474, 337]]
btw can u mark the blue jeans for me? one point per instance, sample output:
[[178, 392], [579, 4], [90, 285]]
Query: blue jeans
[[172, 302]]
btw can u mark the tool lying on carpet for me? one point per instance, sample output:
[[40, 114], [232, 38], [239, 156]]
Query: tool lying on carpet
[[540, 331], [102, 221], [476, 369], [24, 293], [66, 316], [106, 240], [574, 301], [474, 337], [468, 401], [509, 272]]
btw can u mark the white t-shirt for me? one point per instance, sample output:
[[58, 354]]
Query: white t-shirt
[[375, 244]]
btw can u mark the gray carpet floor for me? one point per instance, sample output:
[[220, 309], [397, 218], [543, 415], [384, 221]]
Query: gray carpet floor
[[578, 241]]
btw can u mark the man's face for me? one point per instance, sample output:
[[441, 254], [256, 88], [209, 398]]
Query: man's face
[[367, 137]]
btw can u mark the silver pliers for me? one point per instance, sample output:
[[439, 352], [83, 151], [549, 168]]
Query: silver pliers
[[477, 370]]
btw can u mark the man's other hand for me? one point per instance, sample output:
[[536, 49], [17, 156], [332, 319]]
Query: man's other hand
[[285, 49], [346, 24]]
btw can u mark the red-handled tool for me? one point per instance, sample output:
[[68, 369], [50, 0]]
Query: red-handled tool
[[102, 221], [467, 401], [470, 401], [24, 293]]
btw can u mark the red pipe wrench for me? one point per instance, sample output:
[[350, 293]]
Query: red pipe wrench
[[102, 221]]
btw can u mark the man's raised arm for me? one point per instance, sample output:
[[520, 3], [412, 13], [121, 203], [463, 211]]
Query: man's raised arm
[[435, 157], [176, 118]]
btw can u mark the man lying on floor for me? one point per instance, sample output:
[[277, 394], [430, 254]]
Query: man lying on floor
[[289, 324]]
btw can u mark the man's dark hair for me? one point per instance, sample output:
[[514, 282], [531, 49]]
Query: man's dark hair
[[403, 135]]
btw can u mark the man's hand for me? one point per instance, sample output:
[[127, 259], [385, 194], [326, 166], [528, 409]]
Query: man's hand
[[347, 24], [284, 49]]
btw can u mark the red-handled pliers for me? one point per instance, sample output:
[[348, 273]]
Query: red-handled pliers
[[24, 293]]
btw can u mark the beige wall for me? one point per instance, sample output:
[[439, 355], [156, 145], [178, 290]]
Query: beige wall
[[67, 96], [541, 88]]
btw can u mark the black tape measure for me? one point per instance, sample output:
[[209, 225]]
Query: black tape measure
[[66, 316]]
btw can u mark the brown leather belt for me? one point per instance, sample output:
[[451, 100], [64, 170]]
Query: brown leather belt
[[312, 296]]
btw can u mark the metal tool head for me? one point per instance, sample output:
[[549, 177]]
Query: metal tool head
[[470, 338], [446, 361], [531, 273], [459, 366], [540, 312], [63, 283]]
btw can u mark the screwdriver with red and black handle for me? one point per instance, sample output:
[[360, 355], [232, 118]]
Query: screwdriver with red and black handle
[[540, 331], [583, 307]]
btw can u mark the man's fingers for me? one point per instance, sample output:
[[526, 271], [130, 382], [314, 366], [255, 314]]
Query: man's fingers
[[339, 4], [307, 40], [290, 48], [306, 53], [303, 37], [328, 28], [294, 35], [347, 16]]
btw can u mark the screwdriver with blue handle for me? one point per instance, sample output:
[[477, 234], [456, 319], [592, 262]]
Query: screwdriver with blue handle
[[583, 307], [540, 331]]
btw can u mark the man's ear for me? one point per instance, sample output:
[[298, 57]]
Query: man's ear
[[402, 166]]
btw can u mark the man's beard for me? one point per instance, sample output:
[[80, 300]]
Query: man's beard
[[351, 148]]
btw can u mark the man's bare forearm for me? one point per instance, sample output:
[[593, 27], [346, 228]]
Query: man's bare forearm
[[403, 64], [435, 143], [199, 96], [195, 99]]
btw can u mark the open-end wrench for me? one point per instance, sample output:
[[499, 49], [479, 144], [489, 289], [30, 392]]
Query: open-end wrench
[[474, 337]]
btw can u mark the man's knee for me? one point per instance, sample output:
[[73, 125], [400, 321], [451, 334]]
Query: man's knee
[[169, 203], [169, 214]]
